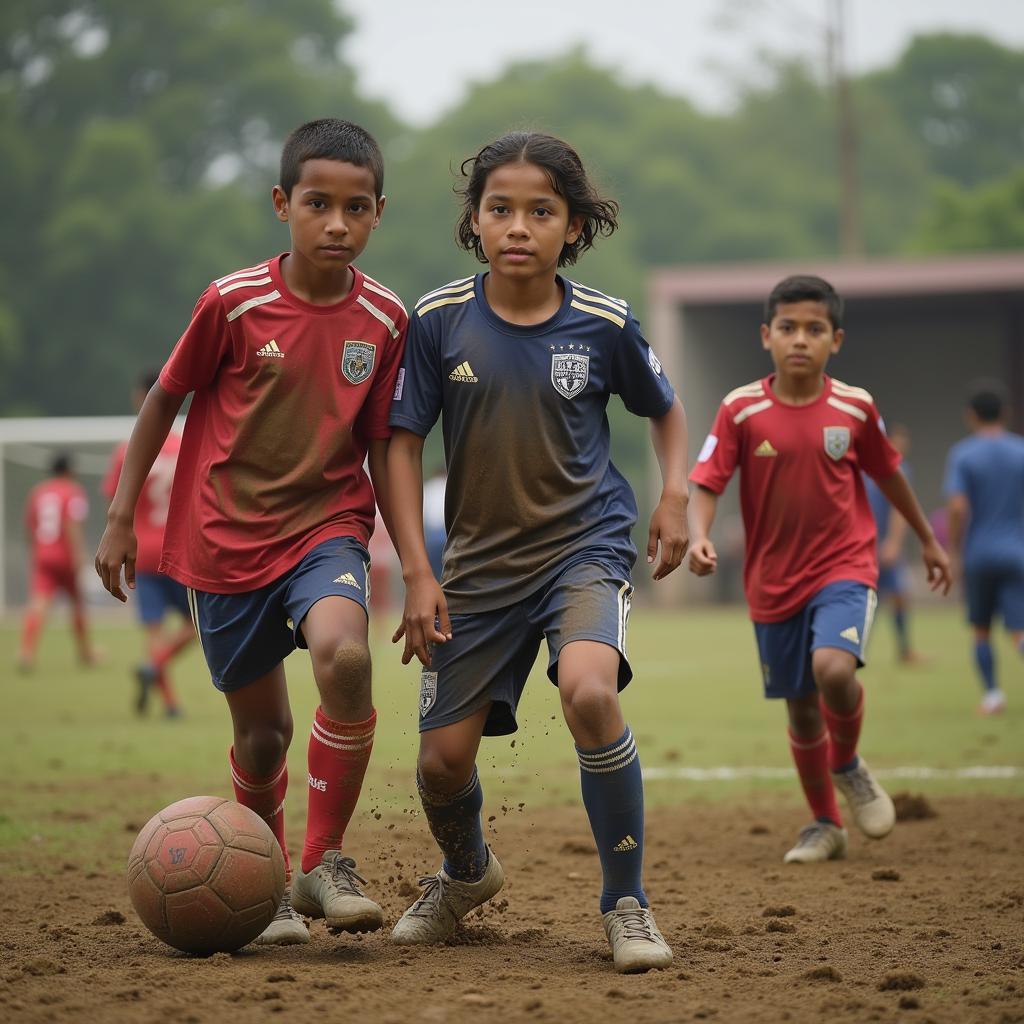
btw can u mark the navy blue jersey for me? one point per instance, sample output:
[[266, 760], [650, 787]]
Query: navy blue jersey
[[988, 469], [530, 482]]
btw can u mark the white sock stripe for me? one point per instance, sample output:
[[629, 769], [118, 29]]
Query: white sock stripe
[[350, 736], [610, 768], [358, 745], [467, 788], [798, 745], [598, 756], [261, 787]]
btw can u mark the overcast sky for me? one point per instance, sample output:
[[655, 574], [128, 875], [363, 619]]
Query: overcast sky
[[420, 55]]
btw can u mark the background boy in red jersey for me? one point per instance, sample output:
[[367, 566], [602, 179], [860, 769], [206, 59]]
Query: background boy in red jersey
[[54, 513], [801, 440], [155, 594], [292, 365]]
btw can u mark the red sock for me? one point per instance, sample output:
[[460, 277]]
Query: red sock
[[266, 798], [30, 634], [812, 759], [844, 731], [163, 684], [338, 755]]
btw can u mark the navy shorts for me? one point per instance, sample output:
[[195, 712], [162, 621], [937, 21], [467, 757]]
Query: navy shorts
[[245, 635], [156, 595], [993, 590], [839, 615], [490, 654], [892, 579]]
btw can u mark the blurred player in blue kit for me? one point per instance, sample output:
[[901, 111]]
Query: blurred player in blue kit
[[520, 363], [984, 489]]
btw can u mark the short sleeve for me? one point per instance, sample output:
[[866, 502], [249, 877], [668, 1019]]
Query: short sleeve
[[417, 396], [201, 349], [637, 375], [719, 455], [955, 481], [875, 452], [374, 415]]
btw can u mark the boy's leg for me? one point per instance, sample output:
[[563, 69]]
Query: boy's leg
[[810, 747], [32, 626], [340, 743]]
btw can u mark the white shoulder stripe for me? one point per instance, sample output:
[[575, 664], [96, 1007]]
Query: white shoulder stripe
[[752, 410], [247, 283], [752, 390], [597, 311], [853, 410], [846, 391], [379, 314], [387, 293], [593, 295], [256, 300], [451, 286], [248, 272], [450, 301]]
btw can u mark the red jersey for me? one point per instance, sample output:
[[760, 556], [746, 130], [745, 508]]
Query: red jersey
[[154, 500], [287, 397], [51, 506], [805, 510]]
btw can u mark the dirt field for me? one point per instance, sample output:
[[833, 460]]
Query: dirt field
[[925, 926]]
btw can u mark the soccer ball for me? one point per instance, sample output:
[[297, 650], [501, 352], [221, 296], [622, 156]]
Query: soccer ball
[[206, 875]]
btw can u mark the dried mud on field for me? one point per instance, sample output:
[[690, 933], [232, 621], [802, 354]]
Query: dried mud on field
[[927, 925]]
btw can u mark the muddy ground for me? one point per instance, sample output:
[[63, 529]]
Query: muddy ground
[[927, 925]]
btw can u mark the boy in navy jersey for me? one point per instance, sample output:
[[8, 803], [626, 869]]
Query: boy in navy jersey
[[801, 440], [520, 363], [984, 488], [291, 364]]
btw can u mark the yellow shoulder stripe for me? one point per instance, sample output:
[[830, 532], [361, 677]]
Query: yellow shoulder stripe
[[617, 320], [753, 390], [452, 300]]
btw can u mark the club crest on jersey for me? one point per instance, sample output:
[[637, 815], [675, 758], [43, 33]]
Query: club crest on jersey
[[837, 442], [357, 360], [569, 373], [428, 691]]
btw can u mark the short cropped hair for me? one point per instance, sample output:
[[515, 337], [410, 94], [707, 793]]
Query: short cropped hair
[[569, 179], [60, 464], [805, 288], [987, 405], [330, 139]]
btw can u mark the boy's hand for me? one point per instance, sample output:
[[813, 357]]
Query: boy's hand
[[117, 547], [668, 526], [425, 611], [940, 575], [703, 558]]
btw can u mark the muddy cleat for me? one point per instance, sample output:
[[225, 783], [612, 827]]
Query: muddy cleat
[[870, 805], [331, 891], [993, 703], [287, 928], [818, 842], [145, 677], [636, 943], [445, 902]]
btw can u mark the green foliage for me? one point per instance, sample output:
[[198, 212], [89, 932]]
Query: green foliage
[[988, 217]]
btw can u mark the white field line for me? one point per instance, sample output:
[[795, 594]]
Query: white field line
[[727, 773]]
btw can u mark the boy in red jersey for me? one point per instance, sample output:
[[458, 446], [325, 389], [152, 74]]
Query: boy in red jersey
[[801, 440], [155, 593], [54, 513], [292, 365]]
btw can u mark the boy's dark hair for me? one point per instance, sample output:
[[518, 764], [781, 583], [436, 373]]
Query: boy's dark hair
[[146, 380], [987, 405], [805, 288], [330, 139], [568, 178], [60, 464]]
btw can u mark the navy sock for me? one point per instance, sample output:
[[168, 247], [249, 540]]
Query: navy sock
[[613, 794], [454, 820], [902, 642], [986, 663]]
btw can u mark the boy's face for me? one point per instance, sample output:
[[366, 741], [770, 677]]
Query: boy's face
[[523, 222], [330, 213], [800, 339]]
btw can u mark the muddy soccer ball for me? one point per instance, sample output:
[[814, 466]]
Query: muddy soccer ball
[[206, 875]]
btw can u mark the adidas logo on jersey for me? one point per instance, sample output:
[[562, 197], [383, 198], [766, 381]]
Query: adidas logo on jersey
[[320, 785], [271, 350], [348, 579], [851, 634], [463, 373], [627, 844], [765, 449]]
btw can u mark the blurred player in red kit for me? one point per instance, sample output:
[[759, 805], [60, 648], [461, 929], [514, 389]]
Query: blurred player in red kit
[[54, 514]]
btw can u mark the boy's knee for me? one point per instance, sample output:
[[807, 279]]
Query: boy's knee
[[263, 746], [833, 669], [589, 699], [342, 666], [805, 718], [442, 771]]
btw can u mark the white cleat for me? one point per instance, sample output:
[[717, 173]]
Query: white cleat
[[871, 807], [331, 891], [287, 928], [818, 842], [636, 943]]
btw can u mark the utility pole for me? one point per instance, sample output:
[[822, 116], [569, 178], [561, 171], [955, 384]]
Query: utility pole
[[851, 242]]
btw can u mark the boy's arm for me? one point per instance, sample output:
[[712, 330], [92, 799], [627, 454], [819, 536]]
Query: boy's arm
[[902, 498], [117, 545], [668, 521], [377, 462], [703, 557], [425, 607]]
